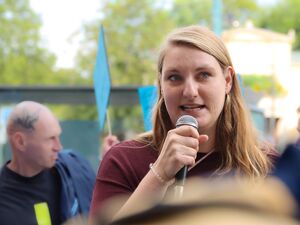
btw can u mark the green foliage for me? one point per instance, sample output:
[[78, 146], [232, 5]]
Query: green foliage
[[192, 12], [132, 39], [75, 112], [126, 120], [19, 28], [200, 12], [265, 84], [239, 10], [283, 17], [23, 60]]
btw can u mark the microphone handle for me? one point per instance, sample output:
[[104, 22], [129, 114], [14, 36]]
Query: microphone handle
[[180, 176]]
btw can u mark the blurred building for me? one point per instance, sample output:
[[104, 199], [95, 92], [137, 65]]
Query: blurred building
[[257, 51]]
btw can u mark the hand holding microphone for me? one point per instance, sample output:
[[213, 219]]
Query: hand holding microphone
[[181, 174], [179, 150]]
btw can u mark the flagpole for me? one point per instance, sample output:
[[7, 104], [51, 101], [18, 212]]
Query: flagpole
[[108, 122]]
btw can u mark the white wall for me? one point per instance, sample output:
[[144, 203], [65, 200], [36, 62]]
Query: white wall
[[260, 58]]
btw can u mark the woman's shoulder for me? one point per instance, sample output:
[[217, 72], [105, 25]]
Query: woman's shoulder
[[132, 147], [132, 144], [130, 154]]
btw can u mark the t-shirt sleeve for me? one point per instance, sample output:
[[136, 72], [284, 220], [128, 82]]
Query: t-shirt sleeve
[[116, 176]]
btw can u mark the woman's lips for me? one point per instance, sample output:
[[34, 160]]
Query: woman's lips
[[191, 107]]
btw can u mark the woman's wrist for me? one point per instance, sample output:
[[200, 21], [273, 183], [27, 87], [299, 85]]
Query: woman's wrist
[[156, 174], [159, 177]]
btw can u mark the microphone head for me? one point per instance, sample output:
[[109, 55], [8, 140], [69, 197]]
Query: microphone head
[[187, 120]]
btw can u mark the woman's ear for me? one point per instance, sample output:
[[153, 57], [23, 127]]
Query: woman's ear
[[228, 78]]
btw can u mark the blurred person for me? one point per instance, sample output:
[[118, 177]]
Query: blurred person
[[298, 127], [195, 77], [40, 184], [223, 201]]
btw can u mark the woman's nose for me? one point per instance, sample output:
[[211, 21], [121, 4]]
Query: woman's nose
[[190, 88]]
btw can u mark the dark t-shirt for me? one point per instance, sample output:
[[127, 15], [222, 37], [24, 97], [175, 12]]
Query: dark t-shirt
[[19, 195], [126, 164]]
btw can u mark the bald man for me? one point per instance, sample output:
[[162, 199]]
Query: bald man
[[40, 185]]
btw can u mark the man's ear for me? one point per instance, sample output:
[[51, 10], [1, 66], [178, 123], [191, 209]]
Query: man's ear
[[19, 140], [228, 78]]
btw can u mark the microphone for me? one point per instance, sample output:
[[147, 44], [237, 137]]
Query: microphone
[[181, 174]]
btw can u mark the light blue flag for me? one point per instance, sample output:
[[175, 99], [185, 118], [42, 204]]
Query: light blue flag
[[148, 97], [101, 79]]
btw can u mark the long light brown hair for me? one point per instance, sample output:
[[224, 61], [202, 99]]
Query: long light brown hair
[[238, 143]]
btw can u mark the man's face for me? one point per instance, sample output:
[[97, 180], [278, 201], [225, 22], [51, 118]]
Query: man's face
[[43, 144]]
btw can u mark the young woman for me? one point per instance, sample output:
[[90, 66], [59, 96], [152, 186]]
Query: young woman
[[195, 77]]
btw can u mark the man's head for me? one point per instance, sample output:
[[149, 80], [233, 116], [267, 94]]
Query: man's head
[[33, 133]]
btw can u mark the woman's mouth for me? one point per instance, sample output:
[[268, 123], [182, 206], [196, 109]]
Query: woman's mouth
[[191, 107]]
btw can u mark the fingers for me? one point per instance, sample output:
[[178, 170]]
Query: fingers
[[179, 149], [186, 156], [203, 138], [180, 142], [186, 131], [187, 160], [187, 136]]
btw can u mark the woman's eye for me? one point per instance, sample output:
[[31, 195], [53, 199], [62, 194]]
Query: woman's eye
[[204, 75], [174, 77]]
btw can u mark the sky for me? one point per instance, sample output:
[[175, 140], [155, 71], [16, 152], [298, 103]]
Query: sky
[[61, 18]]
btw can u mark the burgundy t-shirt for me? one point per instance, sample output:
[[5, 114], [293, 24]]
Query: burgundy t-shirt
[[126, 164]]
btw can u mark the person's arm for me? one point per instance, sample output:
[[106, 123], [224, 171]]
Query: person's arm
[[118, 178], [151, 186], [179, 149]]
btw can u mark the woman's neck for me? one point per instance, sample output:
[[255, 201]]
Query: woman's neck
[[209, 145]]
